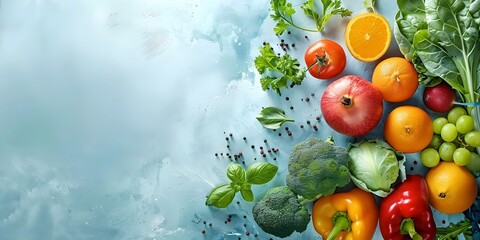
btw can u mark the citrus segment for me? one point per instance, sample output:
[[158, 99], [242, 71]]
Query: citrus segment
[[408, 129], [368, 36], [396, 78]]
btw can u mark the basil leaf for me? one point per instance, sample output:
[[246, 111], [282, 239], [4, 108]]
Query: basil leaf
[[221, 196], [261, 172], [273, 118], [235, 172], [246, 192]]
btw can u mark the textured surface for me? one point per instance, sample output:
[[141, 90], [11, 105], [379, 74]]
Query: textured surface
[[111, 113]]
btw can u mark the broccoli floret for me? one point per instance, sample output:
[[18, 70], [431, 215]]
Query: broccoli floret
[[279, 213], [316, 168]]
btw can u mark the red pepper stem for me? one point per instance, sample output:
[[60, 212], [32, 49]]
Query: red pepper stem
[[408, 227], [341, 223]]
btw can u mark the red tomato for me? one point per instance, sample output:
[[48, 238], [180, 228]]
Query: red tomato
[[325, 59]]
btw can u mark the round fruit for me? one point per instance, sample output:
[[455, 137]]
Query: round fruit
[[325, 59], [452, 188], [446, 151], [408, 129], [455, 113], [439, 98], [474, 165], [464, 124], [438, 124], [473, 138], [461, 156], [352, 106], [435, 142], [430, 157], [368, 36], [449, 132], [396, 78]]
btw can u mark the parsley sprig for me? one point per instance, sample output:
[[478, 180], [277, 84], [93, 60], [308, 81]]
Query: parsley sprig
[[278, 70], [283, 11]]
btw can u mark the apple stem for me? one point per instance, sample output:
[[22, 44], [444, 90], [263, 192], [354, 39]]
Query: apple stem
[[346, 101]]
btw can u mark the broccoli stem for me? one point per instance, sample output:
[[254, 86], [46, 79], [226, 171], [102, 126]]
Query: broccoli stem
[[341, 223]]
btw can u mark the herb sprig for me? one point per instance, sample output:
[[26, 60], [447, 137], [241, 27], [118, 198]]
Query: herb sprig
[[241, 181], [283, 11], [280, 69]]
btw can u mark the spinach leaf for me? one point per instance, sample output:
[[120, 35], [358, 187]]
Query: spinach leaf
[[273, 118], [261, 172]]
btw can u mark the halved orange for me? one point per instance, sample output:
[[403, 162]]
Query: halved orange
[[368, 36]]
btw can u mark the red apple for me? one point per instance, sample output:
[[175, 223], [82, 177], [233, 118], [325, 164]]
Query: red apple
[[439, 98], [352, 106]]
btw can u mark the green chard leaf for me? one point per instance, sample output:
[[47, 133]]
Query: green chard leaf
[[235, 172], [273, 118], [280, 69], [221, 196], [261, 172]]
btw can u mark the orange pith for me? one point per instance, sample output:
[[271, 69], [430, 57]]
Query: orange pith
[[368, 36]]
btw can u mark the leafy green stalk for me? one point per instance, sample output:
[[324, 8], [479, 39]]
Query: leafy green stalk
[[280, 69]]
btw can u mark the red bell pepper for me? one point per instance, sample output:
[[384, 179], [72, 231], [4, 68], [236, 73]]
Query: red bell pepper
[[406, 214]]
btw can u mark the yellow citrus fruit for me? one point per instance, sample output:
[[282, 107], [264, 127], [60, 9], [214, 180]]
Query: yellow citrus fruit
[[452, 188], [396, 78], [368, 36], [408, 129]]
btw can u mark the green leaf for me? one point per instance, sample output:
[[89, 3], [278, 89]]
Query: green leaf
[[272, 117], [221, 196], [235, 172], [280, 27], [261, 172], [246, 192], [436, 59], [454, 230], [277, 71], [330, 8]]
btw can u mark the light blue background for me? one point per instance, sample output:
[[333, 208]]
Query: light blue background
[[111, 112]]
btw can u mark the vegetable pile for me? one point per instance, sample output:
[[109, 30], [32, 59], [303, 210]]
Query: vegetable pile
[[345, 191]]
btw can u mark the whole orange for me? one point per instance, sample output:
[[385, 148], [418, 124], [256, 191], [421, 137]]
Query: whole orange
[[452, 188], [396, 78], [408, 129]]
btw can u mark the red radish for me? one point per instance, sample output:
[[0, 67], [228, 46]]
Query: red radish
[[439, 98], [352, 106]]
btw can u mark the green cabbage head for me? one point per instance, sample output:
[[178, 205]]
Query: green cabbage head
[[375, 166]]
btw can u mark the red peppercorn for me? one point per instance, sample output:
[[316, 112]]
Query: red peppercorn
[[203, 231]]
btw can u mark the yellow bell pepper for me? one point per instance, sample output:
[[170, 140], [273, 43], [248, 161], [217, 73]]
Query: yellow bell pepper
[[346, 216]]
